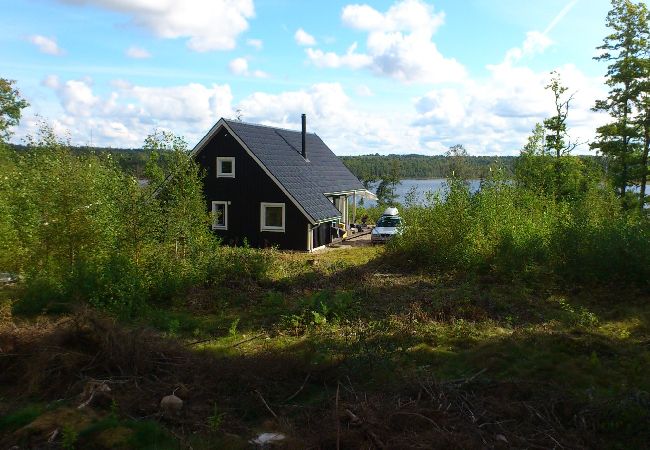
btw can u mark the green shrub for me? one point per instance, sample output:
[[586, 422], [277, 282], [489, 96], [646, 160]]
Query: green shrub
[[510, 230], [116, 285], [239, 264], [41, 294], [321, 308]]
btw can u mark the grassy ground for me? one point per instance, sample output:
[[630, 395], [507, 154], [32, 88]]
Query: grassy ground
[[341, 349]]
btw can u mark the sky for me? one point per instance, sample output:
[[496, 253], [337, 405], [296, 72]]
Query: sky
[[402, 76]]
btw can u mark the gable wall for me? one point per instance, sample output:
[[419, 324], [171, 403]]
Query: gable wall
[[246, 191]]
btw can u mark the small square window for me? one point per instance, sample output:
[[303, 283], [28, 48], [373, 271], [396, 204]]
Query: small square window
[[219, 215], [272, 217], [225, 167]]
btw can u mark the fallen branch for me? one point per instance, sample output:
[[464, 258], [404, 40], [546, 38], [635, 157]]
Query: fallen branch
[[354, 419], [302, 387], [467, 380], [266, 404], [237, 344]]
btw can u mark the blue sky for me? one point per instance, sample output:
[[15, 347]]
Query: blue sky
[[404, 76]]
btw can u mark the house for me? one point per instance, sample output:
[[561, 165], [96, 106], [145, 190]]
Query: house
[[274, 187]]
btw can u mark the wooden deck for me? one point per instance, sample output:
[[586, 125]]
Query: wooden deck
[[351, 237]]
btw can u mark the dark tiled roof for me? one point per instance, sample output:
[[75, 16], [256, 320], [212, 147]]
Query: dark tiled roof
[[280, 152]]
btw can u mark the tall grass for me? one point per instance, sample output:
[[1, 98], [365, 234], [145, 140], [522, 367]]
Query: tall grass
[[509, 230]]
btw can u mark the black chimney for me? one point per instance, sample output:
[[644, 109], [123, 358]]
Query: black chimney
[[304, 136]]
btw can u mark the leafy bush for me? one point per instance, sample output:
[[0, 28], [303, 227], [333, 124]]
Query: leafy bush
[[239, 264], [510, 230], [81, 230]]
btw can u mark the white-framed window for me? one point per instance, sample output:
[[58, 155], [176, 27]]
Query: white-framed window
[[219, 215], [272, 216], [225, 167]]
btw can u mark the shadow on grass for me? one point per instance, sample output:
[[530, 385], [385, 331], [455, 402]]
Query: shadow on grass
[[371, 356], [380, 387]]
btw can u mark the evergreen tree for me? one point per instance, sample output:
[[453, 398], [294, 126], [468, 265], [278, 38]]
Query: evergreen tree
[[626, 51]]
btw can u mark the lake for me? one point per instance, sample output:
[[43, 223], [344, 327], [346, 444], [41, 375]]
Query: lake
[[421, 186], [438, 184]]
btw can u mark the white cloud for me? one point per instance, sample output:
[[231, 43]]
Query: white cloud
[[495, 115], [239, 66], [405, 15], [535, 43], [76, 96], [191, 103], [331, 114], [304, 38], [257, 44], [46, 45], [128, 113], [208, 24], [331, 60], [489, 116], [399, 44], [137, 53]]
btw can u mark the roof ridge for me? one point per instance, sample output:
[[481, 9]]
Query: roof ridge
[[265, 126]]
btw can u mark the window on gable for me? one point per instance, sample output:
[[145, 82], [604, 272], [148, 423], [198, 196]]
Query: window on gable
[[272, 217], [225, 167], [219, 215]]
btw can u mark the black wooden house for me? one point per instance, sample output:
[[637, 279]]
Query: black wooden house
[[274, 187]]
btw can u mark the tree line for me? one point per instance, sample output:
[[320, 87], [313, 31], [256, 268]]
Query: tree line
[[376, 167]]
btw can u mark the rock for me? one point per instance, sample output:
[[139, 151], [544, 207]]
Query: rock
[[171, 405], [268, 439]]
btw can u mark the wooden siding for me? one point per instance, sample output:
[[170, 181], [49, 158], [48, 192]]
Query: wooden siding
[[245, 192]]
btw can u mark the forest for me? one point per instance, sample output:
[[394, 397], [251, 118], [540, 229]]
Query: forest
[[515, 316], [365, 167]]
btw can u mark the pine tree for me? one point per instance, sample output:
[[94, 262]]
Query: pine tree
[[626, 51]]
